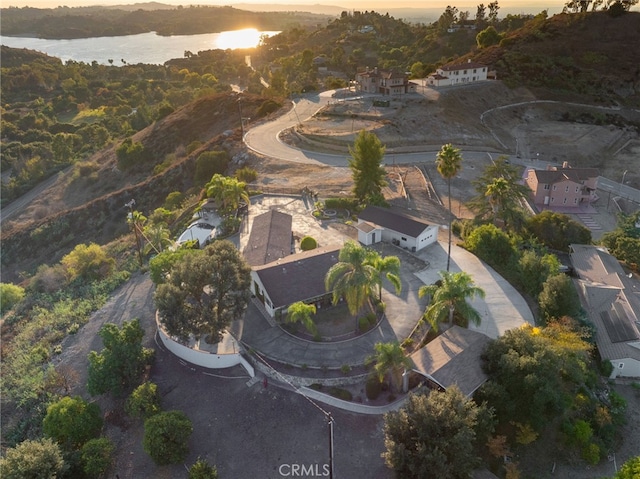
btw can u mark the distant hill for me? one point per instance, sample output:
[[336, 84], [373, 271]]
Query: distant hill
[[593, 55]]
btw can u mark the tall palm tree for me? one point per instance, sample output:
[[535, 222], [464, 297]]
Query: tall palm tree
[[351, 277], [300, 312], [449, 163], [387, 267], [390, 359], [137, 221], [451, 297]]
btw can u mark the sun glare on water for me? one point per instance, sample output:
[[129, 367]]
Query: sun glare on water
[[247, 38]]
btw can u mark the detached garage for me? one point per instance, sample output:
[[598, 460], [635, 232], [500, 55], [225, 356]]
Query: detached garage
[[377, 224]]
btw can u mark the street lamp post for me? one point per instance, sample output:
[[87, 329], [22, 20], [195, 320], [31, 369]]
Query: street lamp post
[[624, 175]]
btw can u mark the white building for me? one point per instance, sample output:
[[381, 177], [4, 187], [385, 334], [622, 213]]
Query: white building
[[455, 74]]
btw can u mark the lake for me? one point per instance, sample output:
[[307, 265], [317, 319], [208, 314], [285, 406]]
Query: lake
[[142, 48]]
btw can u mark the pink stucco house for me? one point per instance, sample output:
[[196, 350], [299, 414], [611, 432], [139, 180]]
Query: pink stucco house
[[565, 187]]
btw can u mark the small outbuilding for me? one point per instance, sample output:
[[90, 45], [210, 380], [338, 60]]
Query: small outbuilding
[[376, 224]]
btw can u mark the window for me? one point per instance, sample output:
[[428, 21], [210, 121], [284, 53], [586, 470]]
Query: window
[[546, 187], [577, 189], [465, 72], [554, 187], [403, 238], [552, 199], [564, 202], [566, 189], [474, 70], [575, 201]]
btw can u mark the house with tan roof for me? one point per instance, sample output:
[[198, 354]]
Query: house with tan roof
[[612, 302], [296, 277], [384, 82], [458, 73], [376, 224], [453, 358], [564, 187]]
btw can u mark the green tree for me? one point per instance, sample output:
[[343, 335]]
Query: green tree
[[144, 401], [300, 312], [351, 277], [559, 298], [228, 192], [202, 470], [499, 194], [487, 37], [72, 422], [534, 373], [449, 163], [366, 167], [205, 292], [386, 267], [535, 269], [130, 153], [624, 241], [210, 163], [96, 456], [412, 449], [629, 470], [160, 265], [450, 297], [557, 230], [10, 295], [137, 220], [89, 262], [390, 359], [166, 437], [121, 362], [32, 459], [492, 245]]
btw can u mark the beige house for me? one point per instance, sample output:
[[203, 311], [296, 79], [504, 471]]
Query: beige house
[[456, 74], [612, 302], [384, 82], [566, 186]]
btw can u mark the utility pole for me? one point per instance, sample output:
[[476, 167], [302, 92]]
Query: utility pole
[[330, 419]]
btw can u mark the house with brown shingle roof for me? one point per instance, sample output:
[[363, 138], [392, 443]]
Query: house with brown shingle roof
[[377, 224], [384, 82], [458, 73], [297, 277], [562, 187], [454, 358], [271, 238], [612, 302]]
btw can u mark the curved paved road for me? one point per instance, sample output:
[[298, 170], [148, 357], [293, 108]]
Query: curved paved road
[[264, 139]]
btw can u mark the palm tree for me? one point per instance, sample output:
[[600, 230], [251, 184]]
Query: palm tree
[[158, 237], [450, 297], [137, 220], [300, 312], [449, 163], [389, 358], [351, 277], [387, 267], [227, 191]]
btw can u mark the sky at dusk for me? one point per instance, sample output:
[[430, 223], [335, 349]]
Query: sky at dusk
[[527, 6]]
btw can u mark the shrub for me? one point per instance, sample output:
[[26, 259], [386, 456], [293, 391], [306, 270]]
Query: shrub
[[341, 394], [88, 262], [10, 295], [247, 174], [173, 200], [308, 243], [48, 279], [130, 154], [96, 456], [202, 470], [269, 106], [144, 401], [373, 388], [72, 421], [363, 323], [166, 437], [32, 459], [342, 203], [345, 368], [591, 453]]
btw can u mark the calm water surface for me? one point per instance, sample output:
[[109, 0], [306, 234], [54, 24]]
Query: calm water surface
[[143, 48]]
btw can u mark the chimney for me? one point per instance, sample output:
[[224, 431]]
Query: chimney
[[468, 60], [375, 70], [565, 165]]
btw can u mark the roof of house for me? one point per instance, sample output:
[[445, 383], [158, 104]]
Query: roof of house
[[611, 300], [270, 238], [561, 174], [382, 73], [453, 358], [462, 66], [298, 277], [393, 220]]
